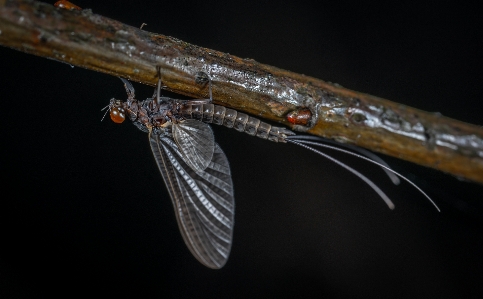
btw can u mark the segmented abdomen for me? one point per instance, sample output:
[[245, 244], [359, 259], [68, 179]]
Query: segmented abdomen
[[220, 115]]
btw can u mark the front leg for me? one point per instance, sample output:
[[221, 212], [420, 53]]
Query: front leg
[[129, 88]]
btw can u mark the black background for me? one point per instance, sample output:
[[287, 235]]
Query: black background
[[85, 211]]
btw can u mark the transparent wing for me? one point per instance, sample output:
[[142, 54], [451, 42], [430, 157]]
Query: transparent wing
[[196, 142], [203, 200]]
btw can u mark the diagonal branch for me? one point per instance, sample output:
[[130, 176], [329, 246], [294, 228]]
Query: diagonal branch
[[94, 42]]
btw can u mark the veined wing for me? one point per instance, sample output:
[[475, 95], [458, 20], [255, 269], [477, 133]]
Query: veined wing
[[203, 200], [196, 142]]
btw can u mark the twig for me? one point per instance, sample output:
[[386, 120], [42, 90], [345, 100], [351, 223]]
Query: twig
[[94, 42]]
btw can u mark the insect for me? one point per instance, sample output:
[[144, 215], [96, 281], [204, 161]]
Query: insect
[[195, 169]]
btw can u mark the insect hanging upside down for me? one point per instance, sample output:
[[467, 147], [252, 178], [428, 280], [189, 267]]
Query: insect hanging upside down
[[195, 169]]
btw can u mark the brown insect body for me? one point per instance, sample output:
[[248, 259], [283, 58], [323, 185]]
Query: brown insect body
[[151, 114]]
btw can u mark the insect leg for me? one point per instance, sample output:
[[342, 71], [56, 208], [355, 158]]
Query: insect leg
[[129, 88], [202, 78], [158, 90]]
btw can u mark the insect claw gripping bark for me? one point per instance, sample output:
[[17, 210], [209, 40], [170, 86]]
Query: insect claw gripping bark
[[193, 166]]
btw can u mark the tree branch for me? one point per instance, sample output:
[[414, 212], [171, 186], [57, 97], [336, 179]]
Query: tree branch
[[84, 39]]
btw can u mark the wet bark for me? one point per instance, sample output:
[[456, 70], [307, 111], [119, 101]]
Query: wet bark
[[87, 40]]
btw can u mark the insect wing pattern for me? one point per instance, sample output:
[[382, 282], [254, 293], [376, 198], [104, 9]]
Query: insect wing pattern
[[203, 199], [196, 142]]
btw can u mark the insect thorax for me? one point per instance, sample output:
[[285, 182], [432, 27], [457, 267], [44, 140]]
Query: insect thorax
[[148, 115]]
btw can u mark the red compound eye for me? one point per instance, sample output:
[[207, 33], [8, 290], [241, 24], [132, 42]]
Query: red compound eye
[[117, 115]]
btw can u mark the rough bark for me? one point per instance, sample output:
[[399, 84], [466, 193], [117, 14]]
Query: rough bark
[[84, 39]]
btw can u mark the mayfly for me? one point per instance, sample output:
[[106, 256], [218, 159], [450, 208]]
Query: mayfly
[[195, 169]]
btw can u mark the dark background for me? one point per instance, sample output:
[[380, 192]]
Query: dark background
[[85, 212]]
